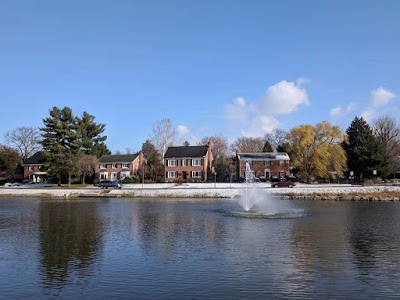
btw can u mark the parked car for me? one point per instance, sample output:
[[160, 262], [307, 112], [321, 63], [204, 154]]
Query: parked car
[[105, 184], [283, 183]]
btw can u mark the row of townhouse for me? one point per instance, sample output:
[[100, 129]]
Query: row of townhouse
[[181, 164]]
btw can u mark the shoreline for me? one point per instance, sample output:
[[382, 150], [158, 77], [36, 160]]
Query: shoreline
[[206, 191]]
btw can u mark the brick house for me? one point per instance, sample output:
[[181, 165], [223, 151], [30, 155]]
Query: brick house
[[34, 171], [188, 163], [119, 166], [266, 165]]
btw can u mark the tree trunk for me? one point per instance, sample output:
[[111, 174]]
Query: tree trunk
[[69, 179]]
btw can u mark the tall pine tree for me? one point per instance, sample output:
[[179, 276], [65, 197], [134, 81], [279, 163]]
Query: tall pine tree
[[61, 143], [92, 141], [363, 150], [66, 138]]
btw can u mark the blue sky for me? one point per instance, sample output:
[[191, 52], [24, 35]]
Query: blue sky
[[214, 67]]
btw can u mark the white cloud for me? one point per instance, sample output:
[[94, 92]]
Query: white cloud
[[185, 134], [260, 125], [351, 107], [381, 97], [257, 118], [182, 129], [284, 98], [368, 114], [237, 111], [336, 112]]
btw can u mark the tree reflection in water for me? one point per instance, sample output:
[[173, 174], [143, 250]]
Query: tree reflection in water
[[70, 240]]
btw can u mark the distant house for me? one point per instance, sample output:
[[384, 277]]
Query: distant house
[[188, 163], [119, 166], [34, 171], [268, 165]]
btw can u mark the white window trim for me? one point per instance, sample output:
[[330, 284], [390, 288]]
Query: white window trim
[[172, 174], [113, 166], [125, 174], [196, 162], [170, 164], [281, 162], [103, 166], [184, 162], [196, 176], [105, 175], [125, 166]]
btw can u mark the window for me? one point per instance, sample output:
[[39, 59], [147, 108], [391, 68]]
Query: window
[[171, 163], [30, 168], [196, 162], [281, 162], [172, 174], [125, 166], [183, 162], [114, 166], [103, 175], [103, 166], [196, 174], [282, 174], [125, 174]]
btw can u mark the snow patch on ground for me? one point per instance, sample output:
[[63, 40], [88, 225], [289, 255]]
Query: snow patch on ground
[[190, 190]]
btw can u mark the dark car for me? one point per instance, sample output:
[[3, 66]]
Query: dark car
[[105, 184], [283, 183]]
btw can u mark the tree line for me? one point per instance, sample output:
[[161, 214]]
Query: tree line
[[73, 144]]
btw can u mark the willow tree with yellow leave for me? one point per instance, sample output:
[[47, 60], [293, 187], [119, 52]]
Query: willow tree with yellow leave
[[316, 151]]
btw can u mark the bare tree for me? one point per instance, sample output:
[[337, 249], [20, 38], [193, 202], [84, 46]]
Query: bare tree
[[87, 166], [248, 144], [387, 130], [276, 138], [25, 139], [163, 135], [219, 145]]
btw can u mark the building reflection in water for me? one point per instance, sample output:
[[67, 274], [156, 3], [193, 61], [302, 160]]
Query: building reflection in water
[[162, 230]]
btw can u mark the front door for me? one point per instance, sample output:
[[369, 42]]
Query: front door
[[184, 175]]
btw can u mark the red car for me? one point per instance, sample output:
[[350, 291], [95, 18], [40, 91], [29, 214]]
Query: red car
[[283, 183]]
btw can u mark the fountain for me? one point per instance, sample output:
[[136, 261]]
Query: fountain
[[250, 197], [258, 203]]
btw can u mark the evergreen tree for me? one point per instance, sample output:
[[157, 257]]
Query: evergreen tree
[[61, 143], [92, 142], [363, 150], [267, 147], [222, 169]]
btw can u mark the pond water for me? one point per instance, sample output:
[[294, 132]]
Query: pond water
[[166, 249]]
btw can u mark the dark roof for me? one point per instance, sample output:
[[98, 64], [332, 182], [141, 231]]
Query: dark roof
[[186, 151], [118, 158], [36, 159]]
